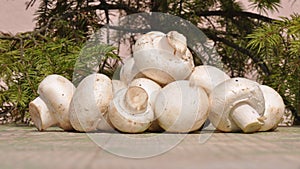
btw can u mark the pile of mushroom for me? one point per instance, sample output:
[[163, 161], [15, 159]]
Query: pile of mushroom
[[159, 89]]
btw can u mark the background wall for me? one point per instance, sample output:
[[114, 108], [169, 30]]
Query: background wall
[[15, 18]]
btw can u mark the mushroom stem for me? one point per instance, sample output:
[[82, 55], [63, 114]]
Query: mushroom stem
[[247, 118], [136, 99], [41, 115]]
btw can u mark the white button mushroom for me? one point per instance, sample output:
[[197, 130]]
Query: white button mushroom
[[180, 107], [90, 102], [274, 108], [41, 115], [207, 77], [57, 92], [129, 71], [163, 58], [152, 90], [237, 104], [130, 112]]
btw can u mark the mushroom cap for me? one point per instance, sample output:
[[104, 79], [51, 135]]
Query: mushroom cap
[[40, 114], [122, 115], [177, 41], [129, 71], [105, 124], [207, 77], [163, 58], [57, 91], [90, 102], [274, 108], [118, 85], [152, 89], [180, 107], [229, 94], [145, 40]]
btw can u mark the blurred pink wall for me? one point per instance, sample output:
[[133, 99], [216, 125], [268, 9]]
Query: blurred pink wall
[[14, 18]]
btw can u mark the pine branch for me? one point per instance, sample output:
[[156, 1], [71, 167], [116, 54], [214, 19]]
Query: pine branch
[[256, 60], [231, 14], [106, 6]]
